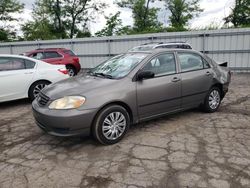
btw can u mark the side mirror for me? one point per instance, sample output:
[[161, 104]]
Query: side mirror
[[145, 75]]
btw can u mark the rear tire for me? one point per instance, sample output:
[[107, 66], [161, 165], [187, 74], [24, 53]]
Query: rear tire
[[71, 70], [35, 89], [212, 100], [111, 125]]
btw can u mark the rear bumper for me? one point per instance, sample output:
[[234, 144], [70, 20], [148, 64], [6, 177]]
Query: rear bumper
[[63, 122]]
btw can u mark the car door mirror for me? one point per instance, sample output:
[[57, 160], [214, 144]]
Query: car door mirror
[[145, 75]]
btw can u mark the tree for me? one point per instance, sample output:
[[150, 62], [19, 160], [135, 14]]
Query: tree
[[7, 9], [35, 30], [240, 15], [145, 18], [61, 18], [78, 11], [182, 11], [113, 25]]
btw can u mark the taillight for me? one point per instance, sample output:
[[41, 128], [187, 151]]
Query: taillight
[[64, 71], [76, 59]]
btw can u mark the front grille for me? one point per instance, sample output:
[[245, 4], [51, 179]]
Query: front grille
[[42, 99]]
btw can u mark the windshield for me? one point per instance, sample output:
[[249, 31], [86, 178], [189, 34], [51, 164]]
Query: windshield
[[118, 66]]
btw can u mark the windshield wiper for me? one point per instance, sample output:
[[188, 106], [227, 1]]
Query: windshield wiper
[[101, 74]]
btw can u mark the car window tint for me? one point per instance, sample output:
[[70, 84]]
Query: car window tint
[[7, 64], [38, 55], [52, 55], [162, 65], [190, 62], [29, 64]]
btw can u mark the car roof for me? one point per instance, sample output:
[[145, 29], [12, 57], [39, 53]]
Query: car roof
[[46, 49], [157, 50], [19, 56]]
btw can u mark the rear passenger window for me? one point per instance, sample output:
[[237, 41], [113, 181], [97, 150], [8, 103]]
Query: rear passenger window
[[8, 64], [191, 62], [49, 55], [162, 65], [69, 52], [29, 64]]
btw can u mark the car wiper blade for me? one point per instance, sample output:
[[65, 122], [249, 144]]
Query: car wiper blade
[[102, 74]]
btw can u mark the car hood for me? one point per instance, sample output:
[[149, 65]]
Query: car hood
[[79, 85]]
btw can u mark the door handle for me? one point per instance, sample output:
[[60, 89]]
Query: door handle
[[176, 79], [208, 73]]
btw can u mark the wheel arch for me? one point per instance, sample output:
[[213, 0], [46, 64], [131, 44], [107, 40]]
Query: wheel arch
[[220, 86], [44, 80], [120, 103]]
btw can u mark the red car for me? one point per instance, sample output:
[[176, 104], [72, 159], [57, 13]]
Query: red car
[[57, 56]]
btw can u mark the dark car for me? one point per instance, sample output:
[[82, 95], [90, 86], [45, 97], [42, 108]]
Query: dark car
[[128, 89], [59, 56]]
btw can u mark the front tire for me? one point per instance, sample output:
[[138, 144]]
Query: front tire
[[212, 100], [111, 124], [35, 89]]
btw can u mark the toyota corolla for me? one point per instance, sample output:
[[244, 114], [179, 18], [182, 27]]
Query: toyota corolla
[[128, 89]]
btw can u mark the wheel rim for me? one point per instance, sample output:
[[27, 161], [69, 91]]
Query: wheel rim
[[214, 99], [37, 89], [114, 125], [71, 72]]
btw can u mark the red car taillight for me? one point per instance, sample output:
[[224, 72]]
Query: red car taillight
[[76, 59], [64, 71]]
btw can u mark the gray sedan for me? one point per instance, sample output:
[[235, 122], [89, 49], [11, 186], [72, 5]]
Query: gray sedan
[[129, 89]]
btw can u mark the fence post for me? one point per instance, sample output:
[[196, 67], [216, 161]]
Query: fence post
[[109, 47], [11, 49], [72, 45], [203, 42]]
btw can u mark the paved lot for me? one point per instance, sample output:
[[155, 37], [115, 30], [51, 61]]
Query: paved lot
[[190, 149]]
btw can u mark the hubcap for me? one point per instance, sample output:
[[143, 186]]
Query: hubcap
[[71, 72], [37, 89], [114, 125], [214, 99]]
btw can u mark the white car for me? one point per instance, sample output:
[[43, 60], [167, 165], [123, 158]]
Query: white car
[[23, 77]]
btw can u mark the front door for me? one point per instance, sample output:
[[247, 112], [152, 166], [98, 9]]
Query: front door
[[162, 93]]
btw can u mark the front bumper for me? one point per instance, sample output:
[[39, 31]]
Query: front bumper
[[63, 122]]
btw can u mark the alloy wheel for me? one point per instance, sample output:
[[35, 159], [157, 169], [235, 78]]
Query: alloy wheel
[[214, 99], [37, 89], [114, 125]]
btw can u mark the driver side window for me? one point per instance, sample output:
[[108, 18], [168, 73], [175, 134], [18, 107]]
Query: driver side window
[[162, 65]]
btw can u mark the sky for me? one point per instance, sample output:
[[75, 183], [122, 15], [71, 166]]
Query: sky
[[214, 12]]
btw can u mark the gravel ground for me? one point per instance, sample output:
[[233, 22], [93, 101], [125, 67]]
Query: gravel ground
[[189, 149]]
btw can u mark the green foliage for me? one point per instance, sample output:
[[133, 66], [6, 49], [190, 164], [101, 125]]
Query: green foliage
[[60, 19], [3, 35], [35, 30], [8, 7], [240, 15], [113, 26], [145, 18], [182, 11]]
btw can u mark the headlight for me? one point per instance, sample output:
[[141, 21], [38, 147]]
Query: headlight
[[68, 102]]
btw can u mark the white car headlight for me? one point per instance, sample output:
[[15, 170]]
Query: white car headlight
[[68, 102]]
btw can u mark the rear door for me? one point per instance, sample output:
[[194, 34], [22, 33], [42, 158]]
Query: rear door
[[53, 57], [196, 77], [162, 93], [15, 76]]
